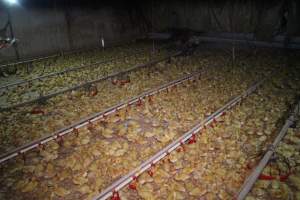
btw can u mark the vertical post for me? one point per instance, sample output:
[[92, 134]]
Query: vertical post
[[233, 54], [288, 16], [58, 46], [12, 34], [102, 42], [67, 15], [151, 54], [153, 46]]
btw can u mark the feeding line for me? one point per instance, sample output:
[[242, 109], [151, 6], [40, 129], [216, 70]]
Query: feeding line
[[131, 176], [95, 117], [250, 181], [39, 59], [69, 69], [88, 83]]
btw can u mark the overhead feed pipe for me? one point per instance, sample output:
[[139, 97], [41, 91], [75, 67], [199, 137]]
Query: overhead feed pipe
[[250, 181], [48, 96], [185, 138], [97, 116]]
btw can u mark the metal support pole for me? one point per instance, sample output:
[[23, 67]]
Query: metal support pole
[[12, 34]]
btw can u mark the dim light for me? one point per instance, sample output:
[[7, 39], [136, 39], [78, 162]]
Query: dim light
[[11, 2]]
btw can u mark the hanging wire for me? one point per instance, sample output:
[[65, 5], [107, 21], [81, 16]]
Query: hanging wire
[[57, 28], [152, 30], [3, 31]]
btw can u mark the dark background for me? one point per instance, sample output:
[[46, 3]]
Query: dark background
[[47, 26]]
